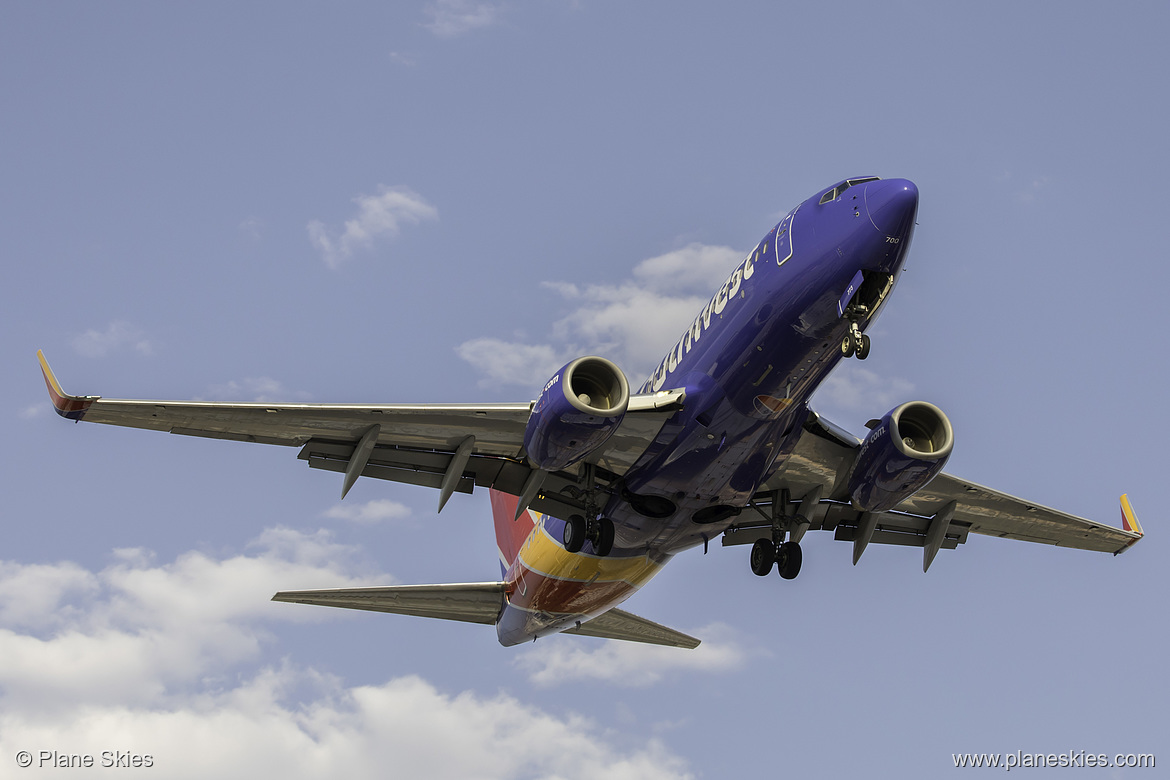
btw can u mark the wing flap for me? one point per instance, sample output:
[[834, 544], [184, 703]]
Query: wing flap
[[428, 468], [619, 624], [477, 602]]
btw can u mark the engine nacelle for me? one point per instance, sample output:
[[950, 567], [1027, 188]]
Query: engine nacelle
[[578, 410], [904, 451]]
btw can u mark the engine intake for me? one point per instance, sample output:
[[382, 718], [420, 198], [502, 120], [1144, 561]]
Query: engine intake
[[900, 456], [578, 410]]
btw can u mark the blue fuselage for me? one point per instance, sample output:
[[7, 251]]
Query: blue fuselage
[[749, 363], [750, 368]]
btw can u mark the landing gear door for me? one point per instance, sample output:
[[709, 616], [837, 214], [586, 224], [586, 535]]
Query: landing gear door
[[864, 295], [850, 291]]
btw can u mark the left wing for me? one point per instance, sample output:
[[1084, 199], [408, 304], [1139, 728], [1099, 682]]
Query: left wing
[[451, 447], [940, 515]]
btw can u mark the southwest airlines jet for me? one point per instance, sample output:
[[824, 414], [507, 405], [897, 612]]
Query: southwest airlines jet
[[595, 487]]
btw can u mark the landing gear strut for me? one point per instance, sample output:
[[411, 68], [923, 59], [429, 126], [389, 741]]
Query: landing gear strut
[[855, 342], [787, 524], [590, 526]]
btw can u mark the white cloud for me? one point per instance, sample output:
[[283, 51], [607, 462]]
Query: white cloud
[[696, 268], [633, 322], [33, 411], [851, 388], [376, 511], [252, 227], [379, 216], [509, 363], [404, 727], [146, 658], [31, 594], [118, 334], [258, 389], [452, 18], [1031, 191], [134, 630], [628, 664]]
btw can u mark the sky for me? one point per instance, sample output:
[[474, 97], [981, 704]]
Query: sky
[[444, 201]]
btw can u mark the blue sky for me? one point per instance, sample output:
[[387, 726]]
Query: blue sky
[[444, 201]]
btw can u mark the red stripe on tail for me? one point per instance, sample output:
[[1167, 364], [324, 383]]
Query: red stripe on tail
[[510, 534]]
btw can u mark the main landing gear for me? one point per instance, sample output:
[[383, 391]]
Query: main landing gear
[[781, 547], [590, 526], [786, 556], [599, 531]]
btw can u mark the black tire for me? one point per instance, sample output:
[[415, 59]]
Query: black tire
[[574, 534], [605, 534], [863, 348], [848, 345], [763, 557], [788, 560]]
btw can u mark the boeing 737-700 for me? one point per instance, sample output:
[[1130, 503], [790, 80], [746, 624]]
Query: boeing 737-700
[[595, 487]]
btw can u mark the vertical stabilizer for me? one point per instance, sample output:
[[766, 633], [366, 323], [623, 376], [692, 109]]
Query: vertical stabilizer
[[510, 534]]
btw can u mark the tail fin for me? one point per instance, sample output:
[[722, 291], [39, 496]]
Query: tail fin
[[510, 534]]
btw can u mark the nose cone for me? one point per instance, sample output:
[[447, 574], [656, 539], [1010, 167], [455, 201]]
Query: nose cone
[[892, 205]]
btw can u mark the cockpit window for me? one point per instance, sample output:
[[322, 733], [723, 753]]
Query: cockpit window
[[840, 188]]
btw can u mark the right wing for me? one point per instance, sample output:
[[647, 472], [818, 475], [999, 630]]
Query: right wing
[[413, 443], [823, 456]]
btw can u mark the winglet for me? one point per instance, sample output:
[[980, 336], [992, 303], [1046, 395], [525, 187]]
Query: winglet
[[1129, 522], [72, 407]]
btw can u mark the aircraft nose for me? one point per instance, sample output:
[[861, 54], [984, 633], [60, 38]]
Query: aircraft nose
[[892, 205]]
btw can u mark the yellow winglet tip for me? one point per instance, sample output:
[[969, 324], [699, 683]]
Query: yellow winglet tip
[[47, 373], [72, 407], [1129, 520]]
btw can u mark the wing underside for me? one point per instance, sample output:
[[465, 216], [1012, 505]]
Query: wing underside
[[823, 457], [456, 447], [452, 447]]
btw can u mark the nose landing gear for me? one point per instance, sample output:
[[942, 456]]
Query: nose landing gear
[[855, 343]]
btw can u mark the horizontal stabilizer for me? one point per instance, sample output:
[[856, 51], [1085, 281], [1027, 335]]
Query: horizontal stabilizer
[[476, 602], [619, 624]]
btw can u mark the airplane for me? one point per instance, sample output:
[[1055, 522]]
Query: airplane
[[594, 488]]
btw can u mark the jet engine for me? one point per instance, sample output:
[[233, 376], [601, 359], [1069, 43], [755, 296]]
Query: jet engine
[[904, 451], [578, 410]]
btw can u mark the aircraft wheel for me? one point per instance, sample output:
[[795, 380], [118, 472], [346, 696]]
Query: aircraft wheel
[[574, 535], [863, 348], [788, 560], [848, 346], [605, 534], [763, 556]]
